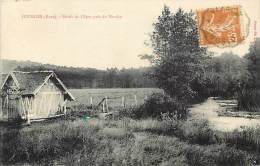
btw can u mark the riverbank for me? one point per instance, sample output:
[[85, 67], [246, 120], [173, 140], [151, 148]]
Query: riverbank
[[76, 140], [120, 142], [214, 110]]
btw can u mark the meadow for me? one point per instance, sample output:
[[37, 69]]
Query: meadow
[[114, 96], [127, 142], [122, 140]]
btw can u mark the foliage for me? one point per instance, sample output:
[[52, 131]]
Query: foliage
[[79, 77], [248, 92], [223, 75], [198, 131], [157, 104], [253, 58], [46, 143], [217, 155], [246, 139], [248, 99], [121, 142], [178, 59]]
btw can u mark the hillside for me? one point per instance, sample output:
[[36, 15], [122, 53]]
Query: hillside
[[9, 65], [78, 77]]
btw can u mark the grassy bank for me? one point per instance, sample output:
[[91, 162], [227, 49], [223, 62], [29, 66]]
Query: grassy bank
[[127, 142]]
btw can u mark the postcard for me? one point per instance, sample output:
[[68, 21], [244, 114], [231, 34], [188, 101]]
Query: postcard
[[110, 82]]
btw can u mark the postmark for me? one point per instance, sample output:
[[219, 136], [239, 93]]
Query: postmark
[[221, 27]]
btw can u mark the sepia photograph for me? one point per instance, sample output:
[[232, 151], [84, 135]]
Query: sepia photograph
[[129, 83]]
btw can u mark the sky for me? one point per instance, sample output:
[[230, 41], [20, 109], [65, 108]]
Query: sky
[[98, 34]]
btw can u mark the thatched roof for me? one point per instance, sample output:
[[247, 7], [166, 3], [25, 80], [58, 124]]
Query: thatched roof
[[2, 78], [31, 82]]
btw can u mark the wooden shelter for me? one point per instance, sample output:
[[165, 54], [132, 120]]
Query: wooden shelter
[[32, 96]]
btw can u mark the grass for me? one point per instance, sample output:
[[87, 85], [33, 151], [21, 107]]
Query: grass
[[247, 139], [122, 142], [249, 99], [83, 95], [243, 114]]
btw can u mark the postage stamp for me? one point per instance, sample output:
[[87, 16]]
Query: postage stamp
[[221, 27]]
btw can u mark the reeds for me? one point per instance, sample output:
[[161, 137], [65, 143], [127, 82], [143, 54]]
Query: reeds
[[249, 100]]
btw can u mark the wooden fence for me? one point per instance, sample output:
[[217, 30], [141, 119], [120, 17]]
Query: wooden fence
[[106, 103]]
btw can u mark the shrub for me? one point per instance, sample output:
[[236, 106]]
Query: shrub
[[158, 103], [81, 110], [215, 155], [247, 139], [170, 125], [46, 143], [197, 131], [248, 99], [122, 113]]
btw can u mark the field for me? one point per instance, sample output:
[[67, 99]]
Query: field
[[115, 96], [121, 140]]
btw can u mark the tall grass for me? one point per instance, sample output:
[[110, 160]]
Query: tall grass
[[119, 142], [249, 100], [47, 143], [156, 138], [247, 139]]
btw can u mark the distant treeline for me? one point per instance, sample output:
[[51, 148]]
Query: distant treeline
[[93, 78]]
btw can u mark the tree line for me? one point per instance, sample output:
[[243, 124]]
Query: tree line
[[74, 77]]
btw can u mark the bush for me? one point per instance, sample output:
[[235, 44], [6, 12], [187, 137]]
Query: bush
[[122, 142], [46, 143], [197, 131], [78, 111], [126, 113], [215, 155], [249, 99], [158, 104], [247, 139]]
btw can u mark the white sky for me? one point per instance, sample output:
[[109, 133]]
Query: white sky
[[98, 43]]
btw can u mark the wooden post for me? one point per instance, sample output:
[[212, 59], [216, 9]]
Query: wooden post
[[28, 120], [91, 102], [106, 104], [103, 106], [135, 100], [123, 102], [7, 108], [64, 107], [65, 110], [28, 111], [1, 109], [28, 117]]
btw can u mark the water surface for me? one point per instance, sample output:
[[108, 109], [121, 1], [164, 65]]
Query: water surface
[[208, 109]]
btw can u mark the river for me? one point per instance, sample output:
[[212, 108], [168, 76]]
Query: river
[[208, 109]]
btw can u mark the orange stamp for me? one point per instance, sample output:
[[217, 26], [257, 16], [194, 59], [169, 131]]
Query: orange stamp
[[220, 26]]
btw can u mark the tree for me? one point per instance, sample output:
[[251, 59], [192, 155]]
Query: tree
[[178, 60], [253, 58], [248, 92], [224, 73]]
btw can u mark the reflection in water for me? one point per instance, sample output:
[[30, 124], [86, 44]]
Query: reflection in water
[[209, 108]]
